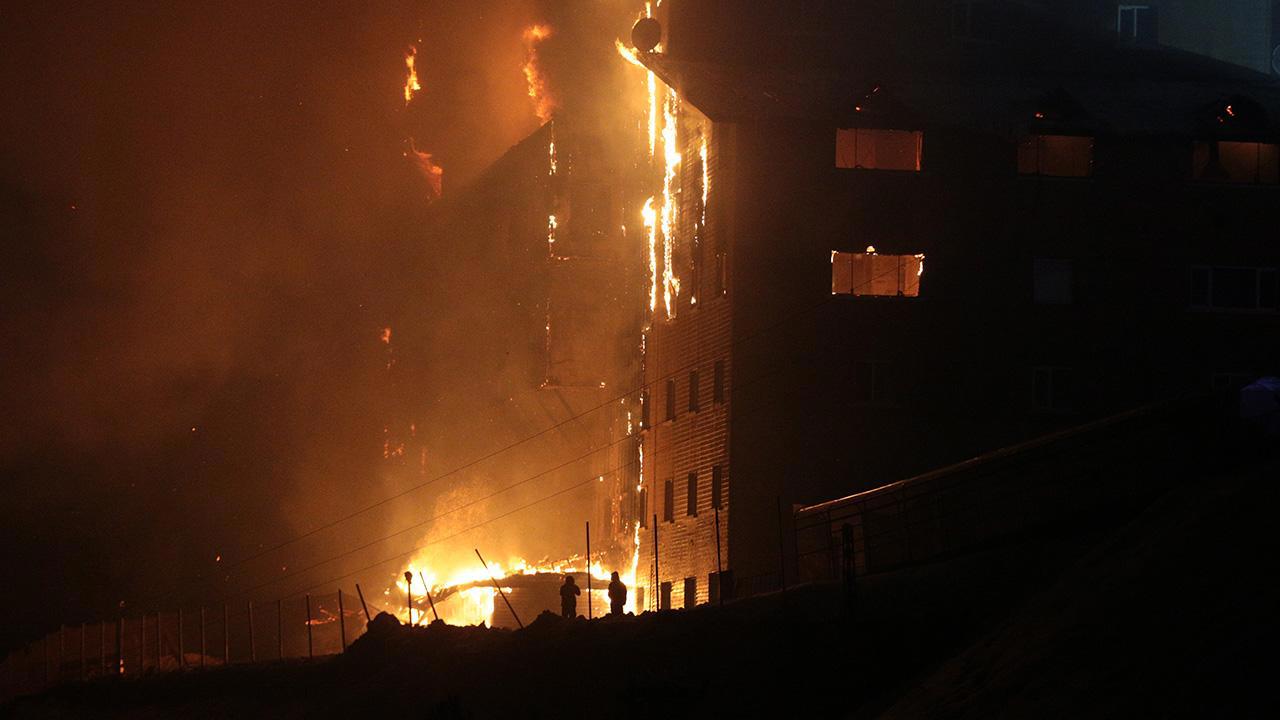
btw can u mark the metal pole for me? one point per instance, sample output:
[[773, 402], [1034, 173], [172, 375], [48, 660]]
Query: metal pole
[[280, 628], [427, 590], [719, 567], [310, 648], [782, 554], [253, 650], [408, 592], [182, 650], [364, 605], [202, 645], [342, 621], [499, 589], [588, 569], [226, 636], [657, 576]]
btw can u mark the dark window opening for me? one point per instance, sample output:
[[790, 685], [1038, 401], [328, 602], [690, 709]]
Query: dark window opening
[[665, 596], [671, 399], [717, 479], [1053, 389], [1056, 156], [1137, 23], [1248, 163], [643, 502], [644, 410], [869, 149], [1053, 282], [713, 588], [870, 273], [694, 404], [669, 501], [717, 383], [690, 592], [722, 273], [1235, 288], [691, 497]]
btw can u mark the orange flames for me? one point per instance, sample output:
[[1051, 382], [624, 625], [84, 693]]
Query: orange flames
[[431, 172], [544, 105], [411, 84]]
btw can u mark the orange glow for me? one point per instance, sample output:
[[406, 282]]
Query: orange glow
[[386, 336], [650, 216], [431, 172], [411, 84], [544, 104], [670, 213]]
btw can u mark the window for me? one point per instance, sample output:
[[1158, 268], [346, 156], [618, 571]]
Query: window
[[1236, 162], [644, 410], [671, 399], [693, 391], [870, 273], [1053, 282], [1234, 288], [643, 502], [690, 592], [717, 382], [691, 497], [1052, 389], [669, 501], [1136, 22], [1056, 155], [717, 481], [722, 272], [869, 149], [713, 588], [665, 596], [872, 382]]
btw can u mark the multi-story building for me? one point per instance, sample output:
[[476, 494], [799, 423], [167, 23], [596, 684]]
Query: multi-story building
[[890, 250]]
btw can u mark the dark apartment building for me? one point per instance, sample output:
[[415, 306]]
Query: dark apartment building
[[895, 250]]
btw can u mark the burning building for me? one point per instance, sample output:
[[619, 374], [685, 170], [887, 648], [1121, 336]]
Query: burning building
[[876, 246]]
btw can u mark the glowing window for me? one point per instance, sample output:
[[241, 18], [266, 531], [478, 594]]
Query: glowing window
[[1237, 162], [870, 273], [1056, 156], [878, 149]]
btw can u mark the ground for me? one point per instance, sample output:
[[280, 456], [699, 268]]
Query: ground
[[1169, 613]]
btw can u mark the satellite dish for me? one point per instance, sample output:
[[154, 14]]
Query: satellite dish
[[646, 34]]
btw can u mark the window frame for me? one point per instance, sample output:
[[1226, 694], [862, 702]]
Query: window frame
[[856, 130], [1258, 273]]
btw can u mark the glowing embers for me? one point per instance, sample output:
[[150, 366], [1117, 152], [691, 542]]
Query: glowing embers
[[870, 273], [871, 149], [1236, 162], [1056, 155]]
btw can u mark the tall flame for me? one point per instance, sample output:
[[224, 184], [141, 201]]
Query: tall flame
[[544, 104], [411, 84]]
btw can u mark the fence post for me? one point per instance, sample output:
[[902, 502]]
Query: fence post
[[408, 593], [182, 650], [253, 650], [498, 587], [427, 590], [588, 569], [310, 647], [202, 645], [280, 628], [342, 621], [782, 553], [363, 605], [226, 637]]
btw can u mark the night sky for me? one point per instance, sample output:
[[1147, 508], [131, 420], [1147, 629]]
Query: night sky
[[205, 210]]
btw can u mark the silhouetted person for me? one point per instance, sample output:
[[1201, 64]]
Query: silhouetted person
[[569, 593], [617, 594]]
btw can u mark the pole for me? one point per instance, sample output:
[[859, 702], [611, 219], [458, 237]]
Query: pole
[[427, 590], [120, 645], [182, 650], [159, 641], [342, 621], [719, 567], [310, 649], [202, 645], [408, 592], [360, 592], [62, 651], [499, 589], [657, 577], [226, 637], [84, 628], [253, 650], [588, 569], [142, 643], [280, 628], [782, 554], [45, 646], [102, 648]]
